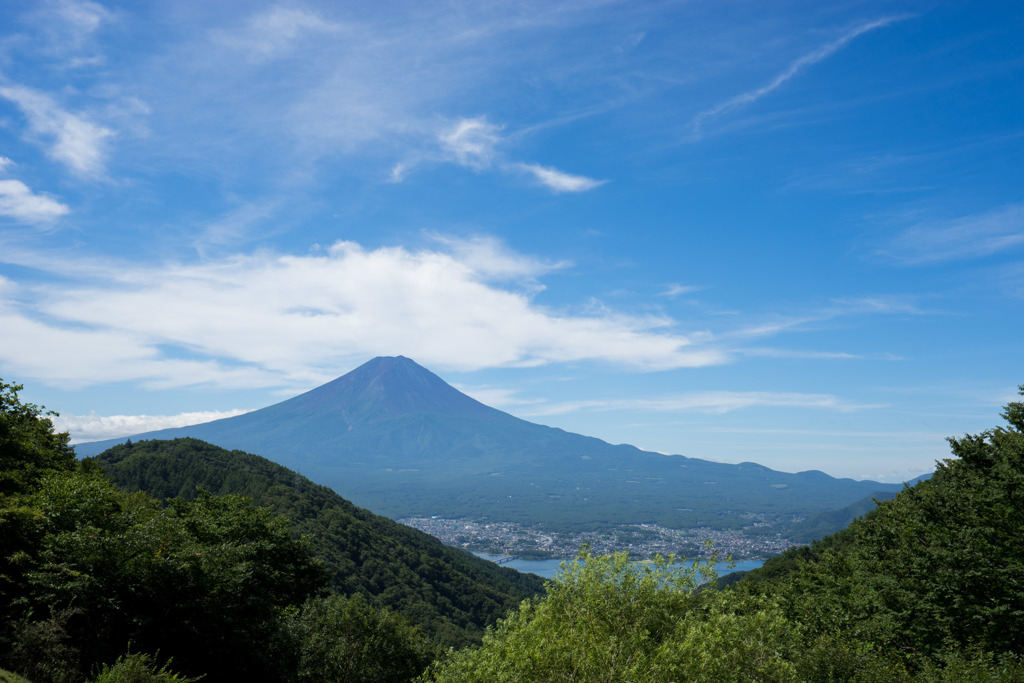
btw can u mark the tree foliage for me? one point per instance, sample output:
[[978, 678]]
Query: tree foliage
[[95, 580], [605, 618], [99, 568], [347, 639], [139, 667], [29, 447], [938, 570], [451, 595]]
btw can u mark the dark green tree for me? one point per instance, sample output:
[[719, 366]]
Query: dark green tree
[[204, 582], [347, 639], [29, 446], [934, 574], [449, 594], [605, 618], [139, 667]]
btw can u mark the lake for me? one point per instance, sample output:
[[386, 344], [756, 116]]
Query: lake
[[548, 568]]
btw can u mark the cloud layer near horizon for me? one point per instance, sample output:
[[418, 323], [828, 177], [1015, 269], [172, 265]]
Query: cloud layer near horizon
[[263, 319], [92, 427]]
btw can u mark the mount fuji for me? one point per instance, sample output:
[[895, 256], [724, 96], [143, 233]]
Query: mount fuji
[[395, 438]]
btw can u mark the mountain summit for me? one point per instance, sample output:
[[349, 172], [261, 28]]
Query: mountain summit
[[384, 388], [396, 438]]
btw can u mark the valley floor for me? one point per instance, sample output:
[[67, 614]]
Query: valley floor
[[640, 540]]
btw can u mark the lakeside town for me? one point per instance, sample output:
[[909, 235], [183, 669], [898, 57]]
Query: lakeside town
[[640, 540]]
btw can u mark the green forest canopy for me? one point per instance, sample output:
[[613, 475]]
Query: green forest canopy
[[928, 586], [450, 594], [95, 580]]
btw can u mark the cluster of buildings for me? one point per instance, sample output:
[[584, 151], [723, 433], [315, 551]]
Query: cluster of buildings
[[640, 540]]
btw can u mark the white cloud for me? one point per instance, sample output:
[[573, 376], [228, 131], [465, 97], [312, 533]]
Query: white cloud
[[77, 356], [93, 427], [963, 238], [474, 143], [400, 170], [713, 402], [792, 70], [885, 304], [384, 86], [488, 257], [17, 201], [496, 397], [471, 142], [81, 17], [675, 289], [263, 319], [805, 355], [784, 324], [557, 181], [76, 142]]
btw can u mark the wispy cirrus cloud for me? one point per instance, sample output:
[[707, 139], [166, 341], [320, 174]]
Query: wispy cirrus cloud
[[675, 289], [471, 142], [78, 19], [836, 308], [358, 84], [795, 67], [968, 237], [475, 143], [276, 32], [67, 29], [498, 397], [801, 354], [712, 402], [558, 181], [235, 227], [489, 257], [71, 139]]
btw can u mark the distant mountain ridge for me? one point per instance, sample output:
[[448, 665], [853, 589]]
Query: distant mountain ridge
[[395, 438]]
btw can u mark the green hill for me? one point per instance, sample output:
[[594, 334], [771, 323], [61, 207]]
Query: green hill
[[938, 568], [825, 523], [451, 594], [926, 587]]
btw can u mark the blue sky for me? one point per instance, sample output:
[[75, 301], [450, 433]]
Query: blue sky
[[789, 232]]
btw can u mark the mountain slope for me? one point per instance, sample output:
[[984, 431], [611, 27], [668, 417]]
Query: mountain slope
[[451, 594], [395, 438], [825, 523]]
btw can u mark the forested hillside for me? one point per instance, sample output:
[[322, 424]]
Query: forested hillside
[[88, 571], [928, 586], [938, 568], [452, 595], [824, 523], [101, 584]]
